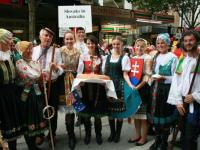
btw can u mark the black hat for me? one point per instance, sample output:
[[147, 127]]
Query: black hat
[[49, 30]]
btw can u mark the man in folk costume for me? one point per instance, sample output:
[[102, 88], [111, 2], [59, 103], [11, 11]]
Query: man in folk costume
[[43, 54], [80, 43], [10, 121], [179, 92], [81, 46]]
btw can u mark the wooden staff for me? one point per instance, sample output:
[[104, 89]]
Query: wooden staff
[[48, 107], [181, 119], [51, 70]]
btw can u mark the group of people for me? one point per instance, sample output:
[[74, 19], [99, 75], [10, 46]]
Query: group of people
[[163, 87]]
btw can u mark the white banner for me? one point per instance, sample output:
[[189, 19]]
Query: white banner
[[75, 16]]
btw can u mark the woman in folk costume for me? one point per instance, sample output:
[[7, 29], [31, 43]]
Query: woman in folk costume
[[141, 84], [117, 67], [93, 94], [29, 73], [70, 59], [159, 112], [11, 125]]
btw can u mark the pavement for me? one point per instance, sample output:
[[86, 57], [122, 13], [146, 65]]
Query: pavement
[[62, 138]]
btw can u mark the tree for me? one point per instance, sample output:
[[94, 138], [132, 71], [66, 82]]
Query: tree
[[32, 6], [188, 10]]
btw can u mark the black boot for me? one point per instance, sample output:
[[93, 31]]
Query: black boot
[[118, 131], [69, 120], [12, 145], [30, 141], [164, 140], [112, 130], [98, 128], [87, 124], [156, 144]]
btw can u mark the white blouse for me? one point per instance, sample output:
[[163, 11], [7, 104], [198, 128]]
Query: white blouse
[[181, 84], [126, 64], [163, 59], [81, 46], [5, 55], [29, 70], [85, 57]]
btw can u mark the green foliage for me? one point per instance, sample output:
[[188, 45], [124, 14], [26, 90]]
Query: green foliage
[[188, 10]]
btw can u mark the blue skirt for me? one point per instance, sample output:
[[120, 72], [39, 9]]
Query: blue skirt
[[132, 102]]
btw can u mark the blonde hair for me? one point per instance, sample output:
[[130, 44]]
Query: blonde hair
[[68, 31], [141, 40], [117, 38], [23, 46]]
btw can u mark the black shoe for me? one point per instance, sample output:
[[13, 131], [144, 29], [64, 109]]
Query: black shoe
[[156, 144], [87, 139], [141, 144], [134, 141], [112, 130], [35, 148], [151, 132], [72, 143], [118, 131], [117, 138], [99, 139], [111, 137]]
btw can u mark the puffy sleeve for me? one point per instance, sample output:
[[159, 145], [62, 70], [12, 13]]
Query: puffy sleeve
[[126, 64], [175, 96], [196, 96], [104, 58], [196, 89], [25, 71], [168, 79], [147, 69], [80, 65], [58, 61]]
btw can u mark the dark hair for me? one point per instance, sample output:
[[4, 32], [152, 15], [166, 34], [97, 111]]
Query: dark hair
[[94, 40], [192, 32], [127, 50], [80, 28], [189, 33]]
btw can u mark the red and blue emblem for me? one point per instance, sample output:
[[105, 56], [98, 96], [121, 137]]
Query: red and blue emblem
[[135, 73]]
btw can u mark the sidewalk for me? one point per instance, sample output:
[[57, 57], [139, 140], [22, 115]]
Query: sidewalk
[[62, 138]]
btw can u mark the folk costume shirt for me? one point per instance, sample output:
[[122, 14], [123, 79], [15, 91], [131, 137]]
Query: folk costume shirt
[[45, 59], [163, 63], [182, 80], [81, 46], [85, 61]]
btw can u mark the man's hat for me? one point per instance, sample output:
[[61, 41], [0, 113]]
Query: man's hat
[[49, 30]]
